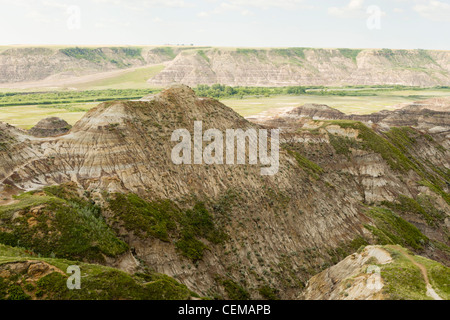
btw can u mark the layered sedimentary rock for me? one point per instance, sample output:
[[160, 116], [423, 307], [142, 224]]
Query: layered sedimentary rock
[[280, 229], [307, 66], [50, 127], [431, 115], [236, 67]]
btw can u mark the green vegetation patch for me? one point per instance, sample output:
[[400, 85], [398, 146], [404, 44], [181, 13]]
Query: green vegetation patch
[[298, 52], [438, 275], [67, 97], [372, 141], [402, 279], [268, 292], [392, 229], [97, 282], [436, 189], [15, 292], [98, 55], [202, 54], [350, 53], [422, 206], [162, 219], [59, 224], [112, 285], [243, 51], [234, 290], [394, 149], [342, 145], [144, 218], [218, 91], [164, 51], [402, 137], [135, 79], [310, 167]]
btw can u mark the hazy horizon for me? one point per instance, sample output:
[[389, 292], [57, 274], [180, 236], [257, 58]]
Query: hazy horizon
[[398, 24]]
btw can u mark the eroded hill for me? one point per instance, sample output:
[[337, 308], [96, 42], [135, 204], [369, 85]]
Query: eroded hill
[[222, 230]]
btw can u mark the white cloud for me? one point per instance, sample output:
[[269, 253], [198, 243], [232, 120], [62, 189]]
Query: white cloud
[[54, 4], [40, 11], [140, 4], [38, 17], [352, 9], [434, 10], [267, 4], [99, 25], [107, 23], [398, 10], [244, 6]]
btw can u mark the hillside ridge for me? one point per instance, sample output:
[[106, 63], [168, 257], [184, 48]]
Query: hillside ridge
[[233, 66]]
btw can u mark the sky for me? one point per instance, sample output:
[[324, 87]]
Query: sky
[[399, 24]]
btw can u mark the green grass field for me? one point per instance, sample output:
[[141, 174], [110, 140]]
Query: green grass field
[[26, 110], [346, 104], [136, 79], [26, 117]]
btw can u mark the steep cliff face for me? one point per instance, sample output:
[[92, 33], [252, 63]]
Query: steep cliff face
[[237, 67], [222, 230], [397, 159], [304, 66], [34, 64]]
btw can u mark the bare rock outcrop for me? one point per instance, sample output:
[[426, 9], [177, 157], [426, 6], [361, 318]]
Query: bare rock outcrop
[[349, 279], [431, 115], [50, 127]]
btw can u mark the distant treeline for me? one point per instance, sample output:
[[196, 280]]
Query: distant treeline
[[216, 91], [60, 97], [223, 91]]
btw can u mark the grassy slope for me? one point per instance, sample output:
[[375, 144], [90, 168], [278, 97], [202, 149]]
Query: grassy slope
[[404, 281], [136, 79], [26, 117], [53, 223], [57, 224], [97, 282], [62, 228]]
